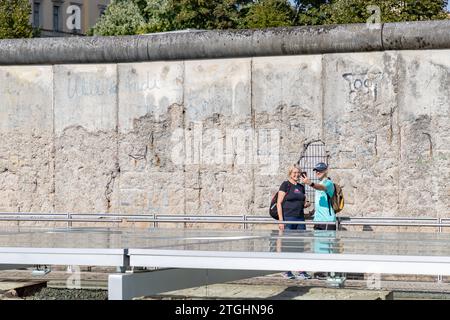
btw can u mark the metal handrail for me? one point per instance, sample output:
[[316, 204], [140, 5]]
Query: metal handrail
[[202, 216], [271, 221], [233, 219], [389, 218], [393, 224], [59, 219]]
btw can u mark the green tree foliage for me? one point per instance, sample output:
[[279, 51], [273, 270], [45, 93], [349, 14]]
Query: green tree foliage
[[357, 11], [146, 16], [15, 19], [122, 17], [160, 16], [166, 15], [212, 14], [308, 12], [270, 13]]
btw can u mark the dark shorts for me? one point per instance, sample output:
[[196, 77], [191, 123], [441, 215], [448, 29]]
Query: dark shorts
[[325, 227], [295, 226]]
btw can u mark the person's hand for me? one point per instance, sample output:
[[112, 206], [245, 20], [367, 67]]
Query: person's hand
[[281, 227], [305, 180]]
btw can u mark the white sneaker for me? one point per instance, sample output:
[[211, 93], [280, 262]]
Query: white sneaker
[[303, 276], [335, 281]]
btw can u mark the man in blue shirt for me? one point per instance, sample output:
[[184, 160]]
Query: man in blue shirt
[[324, 241], [323, 210]]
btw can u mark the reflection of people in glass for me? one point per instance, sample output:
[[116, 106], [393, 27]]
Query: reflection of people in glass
[[288, 241], [326, 241], [290, 207]]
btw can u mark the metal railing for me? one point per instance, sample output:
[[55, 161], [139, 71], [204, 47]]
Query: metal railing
[[244, 220]]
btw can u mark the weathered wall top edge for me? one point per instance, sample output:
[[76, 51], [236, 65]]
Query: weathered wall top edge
[[188, 45]]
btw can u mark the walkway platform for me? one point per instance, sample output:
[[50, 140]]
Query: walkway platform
[[205, 256]]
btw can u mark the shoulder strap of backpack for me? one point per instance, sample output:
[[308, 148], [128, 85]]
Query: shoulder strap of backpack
[[288, 189], [289, 186], [329, 198], [329, 203]]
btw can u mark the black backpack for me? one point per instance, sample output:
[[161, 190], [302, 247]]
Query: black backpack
[[273, 204]]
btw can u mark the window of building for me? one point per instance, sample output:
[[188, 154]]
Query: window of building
[[56, 18], [36, 14]]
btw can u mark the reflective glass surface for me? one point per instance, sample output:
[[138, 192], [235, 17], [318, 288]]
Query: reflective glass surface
[[416, 244]]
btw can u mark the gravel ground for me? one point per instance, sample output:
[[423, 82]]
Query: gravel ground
[[94, 285], [69, 294]]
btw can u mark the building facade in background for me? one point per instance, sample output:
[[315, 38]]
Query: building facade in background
[[59, 18]]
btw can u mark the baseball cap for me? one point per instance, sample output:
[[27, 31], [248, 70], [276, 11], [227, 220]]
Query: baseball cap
[[320, 167]]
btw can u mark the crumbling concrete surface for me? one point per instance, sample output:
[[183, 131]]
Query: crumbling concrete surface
[[217, 136]]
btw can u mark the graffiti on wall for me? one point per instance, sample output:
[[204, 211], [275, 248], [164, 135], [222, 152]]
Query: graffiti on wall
[[364, 86]]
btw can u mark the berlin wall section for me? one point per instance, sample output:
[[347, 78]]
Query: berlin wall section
[[387, 129], [424, 117], [26, 139], [216, 136], [150, 111], [287, 96], [85, 138], [362, 130]]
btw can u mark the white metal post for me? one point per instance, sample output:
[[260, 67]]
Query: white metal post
[[130, 285]]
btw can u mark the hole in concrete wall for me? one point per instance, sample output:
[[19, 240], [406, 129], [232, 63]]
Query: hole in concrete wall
[[313, 152]]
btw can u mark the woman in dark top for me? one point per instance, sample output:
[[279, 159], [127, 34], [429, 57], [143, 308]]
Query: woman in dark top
[[290, 206], [292, 201]]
